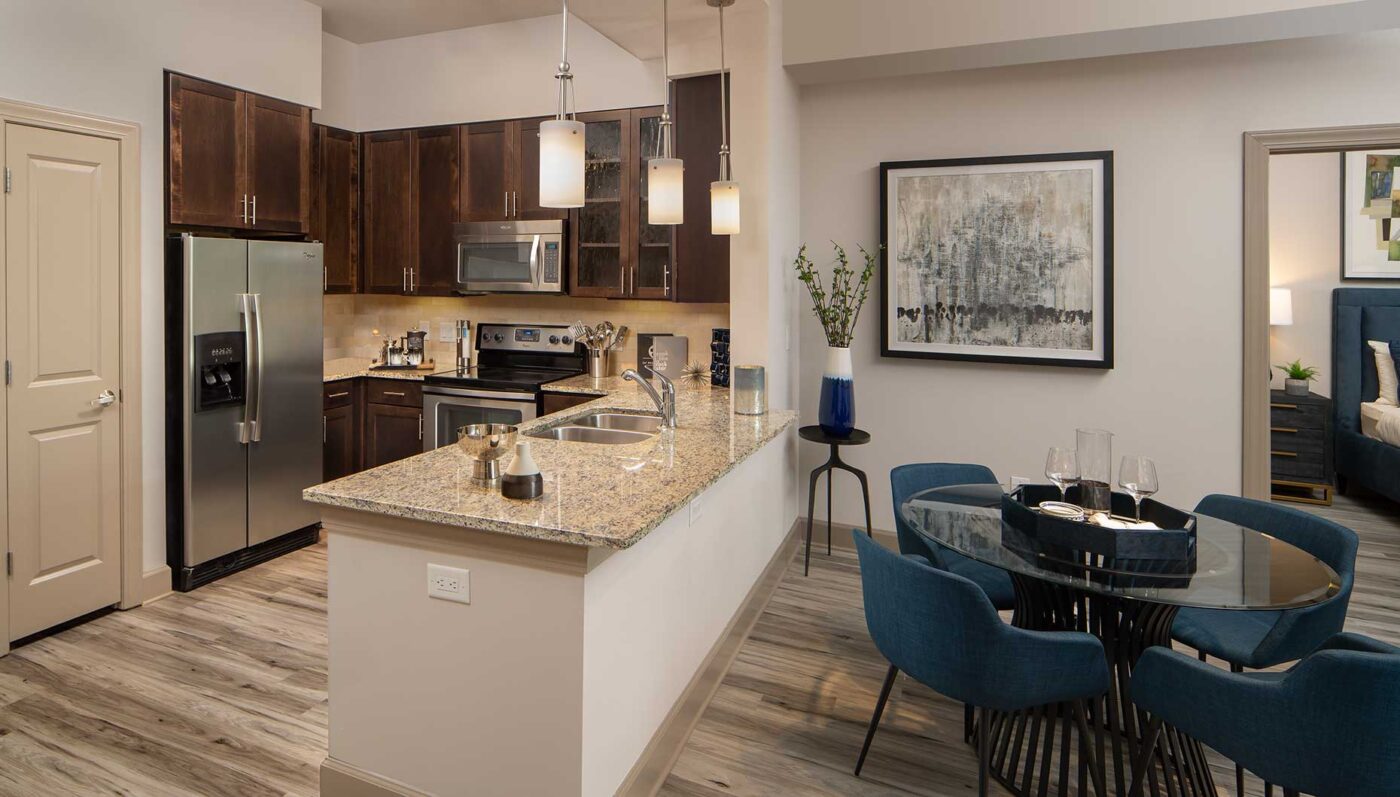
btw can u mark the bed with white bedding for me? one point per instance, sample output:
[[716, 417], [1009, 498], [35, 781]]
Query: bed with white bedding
[[1366, 426]]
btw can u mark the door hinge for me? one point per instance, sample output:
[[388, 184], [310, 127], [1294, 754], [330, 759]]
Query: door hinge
[[8, 373], [9, 564], [9, 180]]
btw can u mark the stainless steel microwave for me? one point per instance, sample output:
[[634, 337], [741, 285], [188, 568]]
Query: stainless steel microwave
[[510, 256]]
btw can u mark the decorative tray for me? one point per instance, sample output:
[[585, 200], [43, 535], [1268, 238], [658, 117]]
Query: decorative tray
[[1173, 540], [427, 366]]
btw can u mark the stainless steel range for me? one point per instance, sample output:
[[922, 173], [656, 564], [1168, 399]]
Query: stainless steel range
[[514, 362]]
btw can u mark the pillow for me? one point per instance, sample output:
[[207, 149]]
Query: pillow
[[1385, 373]]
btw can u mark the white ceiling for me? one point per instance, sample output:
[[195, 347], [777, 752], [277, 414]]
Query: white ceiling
[[635, 25]]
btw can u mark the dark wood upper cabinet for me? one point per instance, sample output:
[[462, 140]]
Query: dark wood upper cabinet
[[335, 205], [654, 261], [236, 159], [490, 158], [387, 197], [701, 271], [205, 160], [279, 164], [437, 153], [602, 230], [526, 202]]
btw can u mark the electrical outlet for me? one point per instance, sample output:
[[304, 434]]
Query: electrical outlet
[[449, 583], [447, 332], [696, 508]]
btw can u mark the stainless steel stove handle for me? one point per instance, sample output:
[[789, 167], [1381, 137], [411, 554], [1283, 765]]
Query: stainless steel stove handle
[[462, 392], [535, 261]]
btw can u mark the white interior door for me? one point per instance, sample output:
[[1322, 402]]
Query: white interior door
[[62, 342]]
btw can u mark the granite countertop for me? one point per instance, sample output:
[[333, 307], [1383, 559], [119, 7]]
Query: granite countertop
[[352, 367], [595, 495]]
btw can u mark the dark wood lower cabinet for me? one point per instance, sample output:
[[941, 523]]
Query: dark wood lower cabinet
[[340, 440], [392, 432]]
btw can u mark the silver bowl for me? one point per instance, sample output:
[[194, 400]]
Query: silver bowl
[[486, 443]]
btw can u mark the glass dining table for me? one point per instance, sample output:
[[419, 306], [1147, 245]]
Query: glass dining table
[[1129, 606]]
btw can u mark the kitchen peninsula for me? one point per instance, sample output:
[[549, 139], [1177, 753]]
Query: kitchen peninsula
[[590, 609]]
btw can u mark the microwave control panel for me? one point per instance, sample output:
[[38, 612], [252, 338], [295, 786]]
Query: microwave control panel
[[551, 262]]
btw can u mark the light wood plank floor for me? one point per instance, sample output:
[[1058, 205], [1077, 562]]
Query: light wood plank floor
[[223, 692]]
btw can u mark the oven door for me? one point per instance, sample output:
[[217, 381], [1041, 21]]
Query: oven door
[[509, 264], [447, 409]]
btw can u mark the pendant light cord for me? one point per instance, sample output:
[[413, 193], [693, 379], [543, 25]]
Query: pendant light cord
[[665, 138], [724, 170], [563, 76]]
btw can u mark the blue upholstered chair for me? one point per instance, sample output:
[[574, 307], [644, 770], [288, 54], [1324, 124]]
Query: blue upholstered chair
[[940, 629], [1262, 639], [905, 481], [1329, 727]]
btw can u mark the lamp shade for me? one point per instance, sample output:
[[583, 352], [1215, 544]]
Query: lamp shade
[[724, 207], [1280, 307], [665, 192], [561, 163]]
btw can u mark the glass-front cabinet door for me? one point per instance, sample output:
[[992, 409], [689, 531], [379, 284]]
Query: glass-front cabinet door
[[654, 272], [603, 243]]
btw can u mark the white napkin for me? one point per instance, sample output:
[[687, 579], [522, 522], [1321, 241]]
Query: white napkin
[[1102, 519]]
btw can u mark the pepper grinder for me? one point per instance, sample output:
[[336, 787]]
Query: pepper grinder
[[522, 480]]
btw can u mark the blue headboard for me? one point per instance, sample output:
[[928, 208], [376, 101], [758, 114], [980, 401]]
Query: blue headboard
[[1359, 315]]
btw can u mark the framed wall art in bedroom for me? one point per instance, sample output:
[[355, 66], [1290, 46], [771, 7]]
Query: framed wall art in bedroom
[[999, 259]]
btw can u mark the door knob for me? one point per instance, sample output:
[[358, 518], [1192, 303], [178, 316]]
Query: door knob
[[105, 399]]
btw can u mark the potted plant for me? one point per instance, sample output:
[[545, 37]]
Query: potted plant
[[1296, 377], [837, 313]]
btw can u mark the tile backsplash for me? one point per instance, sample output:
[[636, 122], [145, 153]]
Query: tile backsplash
[[350, 320]]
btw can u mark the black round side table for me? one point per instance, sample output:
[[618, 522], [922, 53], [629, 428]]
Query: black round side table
[[857, 437]]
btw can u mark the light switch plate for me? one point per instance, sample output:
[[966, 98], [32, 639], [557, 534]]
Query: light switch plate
[[449, 583], [447, 332]]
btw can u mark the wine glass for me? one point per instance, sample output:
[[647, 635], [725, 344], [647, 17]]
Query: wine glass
[[1138, 476], [1062, 468]]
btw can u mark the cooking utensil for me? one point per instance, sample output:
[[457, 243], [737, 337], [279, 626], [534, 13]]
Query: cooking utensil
[[579, 332], [485, 444], [620, 338]]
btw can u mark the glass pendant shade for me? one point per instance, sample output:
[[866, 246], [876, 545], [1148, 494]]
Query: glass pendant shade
[[665, 193], [724, 207], [561, 163]]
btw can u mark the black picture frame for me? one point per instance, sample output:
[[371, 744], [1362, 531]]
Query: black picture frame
[[1104, 358]]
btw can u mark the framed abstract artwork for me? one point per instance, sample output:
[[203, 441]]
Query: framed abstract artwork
[[1000, 259], [1370, 215]]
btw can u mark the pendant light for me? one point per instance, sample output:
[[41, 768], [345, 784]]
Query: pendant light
[[561, 142], [724, 192], [665, 172]]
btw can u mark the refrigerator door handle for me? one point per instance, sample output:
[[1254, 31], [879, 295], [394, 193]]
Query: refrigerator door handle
[[245, 312], [258, 367]]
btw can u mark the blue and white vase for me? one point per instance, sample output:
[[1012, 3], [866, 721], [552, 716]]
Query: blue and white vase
[[837, 413]]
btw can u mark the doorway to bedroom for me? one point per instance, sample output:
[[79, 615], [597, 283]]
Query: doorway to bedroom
[[1322, 307]]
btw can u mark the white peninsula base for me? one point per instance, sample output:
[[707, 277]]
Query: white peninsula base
[[565, 664]]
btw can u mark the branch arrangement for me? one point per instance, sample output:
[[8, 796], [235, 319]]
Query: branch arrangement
[[839, 311]]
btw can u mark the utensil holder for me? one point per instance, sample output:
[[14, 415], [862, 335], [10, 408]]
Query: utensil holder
[[599, 363]]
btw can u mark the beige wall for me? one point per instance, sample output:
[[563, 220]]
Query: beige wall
[[1305, 257], [105, 57], [350, 320], [1174, 121]]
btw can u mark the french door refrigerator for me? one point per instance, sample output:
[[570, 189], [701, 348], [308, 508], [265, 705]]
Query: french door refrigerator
[[243, 402]]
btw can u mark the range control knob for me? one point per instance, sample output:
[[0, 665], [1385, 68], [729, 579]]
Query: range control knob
[[553, 338], [566, 340], [498, 337]]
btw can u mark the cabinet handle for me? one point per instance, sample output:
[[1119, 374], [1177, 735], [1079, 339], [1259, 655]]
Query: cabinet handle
[[420, 427], [666, 279], [1283, 453], [392, 393], [342, 394], [244, 204], [255, 210], [412, 280], [323, 428], [505, 202], [1283, 429], [405, 279], [514, 203], [1284, 406]]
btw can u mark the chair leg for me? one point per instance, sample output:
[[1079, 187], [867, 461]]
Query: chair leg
[[1239, 770], [875, 720], [968, 719], [1201, 654], [1140, 767], [1268, 789], [1095, 766], [984, 752]]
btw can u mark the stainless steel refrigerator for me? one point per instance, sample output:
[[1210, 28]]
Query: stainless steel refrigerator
[[243, 401]]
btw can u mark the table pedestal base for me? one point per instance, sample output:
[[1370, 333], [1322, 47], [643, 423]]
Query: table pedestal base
[[1027, 746]]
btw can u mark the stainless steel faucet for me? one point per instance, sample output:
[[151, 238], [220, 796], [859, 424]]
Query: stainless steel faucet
[[665, 400]]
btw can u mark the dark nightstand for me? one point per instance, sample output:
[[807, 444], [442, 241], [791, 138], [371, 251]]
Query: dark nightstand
[[1300, 445]]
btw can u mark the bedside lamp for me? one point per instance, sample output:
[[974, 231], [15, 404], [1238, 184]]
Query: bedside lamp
[[1280, 307]]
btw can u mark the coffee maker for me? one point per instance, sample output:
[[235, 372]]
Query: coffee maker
[[413, 353]]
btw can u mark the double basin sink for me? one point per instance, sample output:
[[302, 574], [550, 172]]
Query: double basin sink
[[605, 427]]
